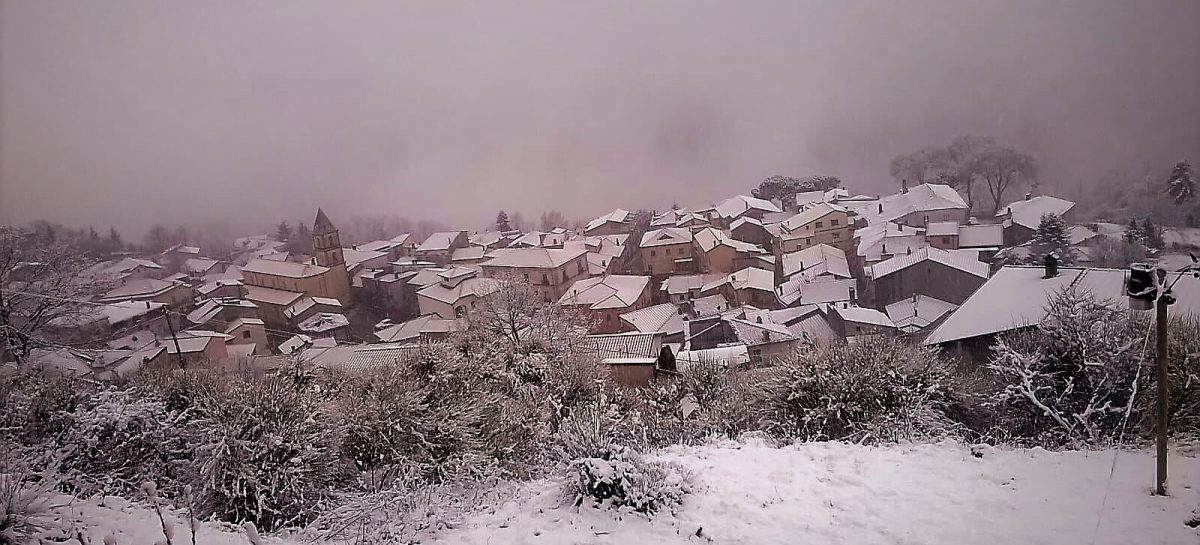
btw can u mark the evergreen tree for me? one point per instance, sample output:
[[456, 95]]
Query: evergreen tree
[[1134, 233], [502, 224], [1152, 234], [1051, 237], [1180, 185], [283, 232], [114, 238]]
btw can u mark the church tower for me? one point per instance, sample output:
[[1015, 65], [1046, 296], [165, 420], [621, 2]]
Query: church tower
[[327, 247], [327, 252]]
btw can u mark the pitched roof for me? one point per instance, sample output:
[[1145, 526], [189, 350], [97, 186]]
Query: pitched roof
[[817, 260], [710, 237], [439, 241], [748, 278], [797, 290], [666, 235], [471, 287], [323, 322], [986, 235], [862, 315], [322, 225], [965, 260], [605, 292], [1029, 212], [1016, 297], [272, 296], [734, 207], [709, 305], [922, 198], [810, 215], [918, 312], [133, 289], [664, 318], [413, 329], [753, 333], [286, 269], [683, 283], [540, 258], [616, 216], [623, 345], [355, 257], [470, 253]]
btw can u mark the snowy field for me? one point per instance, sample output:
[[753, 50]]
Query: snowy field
[[825, 493]]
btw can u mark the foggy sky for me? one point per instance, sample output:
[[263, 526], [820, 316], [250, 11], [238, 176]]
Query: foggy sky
[[128, 113]]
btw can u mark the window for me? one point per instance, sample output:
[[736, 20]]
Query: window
[[668, 251], [946, 240], [820, 224], [837, 234], [833, 221], [246, 334], [581, 266], [545, 279], [808, 240], [652, 254]]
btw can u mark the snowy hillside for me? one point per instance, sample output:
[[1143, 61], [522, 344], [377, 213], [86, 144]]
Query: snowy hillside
[[829, 493]]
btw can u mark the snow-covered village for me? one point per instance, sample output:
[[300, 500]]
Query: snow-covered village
[[379, 273]]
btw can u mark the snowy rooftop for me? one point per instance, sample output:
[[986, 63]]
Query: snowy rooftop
[[664, 318], [539, 258], [810, 215], [709, 238], [1028, 212], [616, 216], [283, 268], [918, 312], [862, 315], [749, 278], [817, 260], [666, 235], [735, 206], [1016, 297], [439, 241], [610, 291], [323, 322], [966, 261]]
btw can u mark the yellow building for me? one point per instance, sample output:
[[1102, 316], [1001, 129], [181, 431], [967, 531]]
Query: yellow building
[[819, 224], [326, 276]]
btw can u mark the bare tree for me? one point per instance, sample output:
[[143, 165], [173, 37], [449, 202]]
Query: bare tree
[[1003, 168], [42, 281], [518, 313], [551, 219]]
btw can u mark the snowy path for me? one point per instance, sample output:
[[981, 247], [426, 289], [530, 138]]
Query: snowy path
[[832, 493]]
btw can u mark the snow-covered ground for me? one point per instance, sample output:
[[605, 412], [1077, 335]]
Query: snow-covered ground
[[824, 493]]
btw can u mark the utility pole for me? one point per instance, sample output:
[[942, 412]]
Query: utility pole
[[1160, 326], [171, 328]]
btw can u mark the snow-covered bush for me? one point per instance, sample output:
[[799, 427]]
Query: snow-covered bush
[[35, 407], [267, 453], [877, 389], [706, 400], [118, 439], [623, 479], [422, 422], [1071, 379], [1184, 374], [25, 497]]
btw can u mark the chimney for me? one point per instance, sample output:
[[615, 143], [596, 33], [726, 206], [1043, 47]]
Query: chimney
[[1051, 263], [1028, 196], [880, 208], [884, 250], [904, 185]]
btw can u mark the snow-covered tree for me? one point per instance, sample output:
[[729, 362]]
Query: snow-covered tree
[[1052, 238], [283, 231], [41, 283], [1133, 233], [1180, 184], [1071, 378], [502, 224]]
